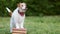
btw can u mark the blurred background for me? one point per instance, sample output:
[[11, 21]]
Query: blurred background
[[42, 16], [35, 7]]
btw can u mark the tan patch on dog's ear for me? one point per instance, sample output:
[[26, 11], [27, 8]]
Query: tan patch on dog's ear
[[18, 4]]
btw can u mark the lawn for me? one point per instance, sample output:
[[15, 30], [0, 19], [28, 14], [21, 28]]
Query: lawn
[[34, 25]]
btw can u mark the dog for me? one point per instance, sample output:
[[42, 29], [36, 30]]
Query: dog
[[18, 16]]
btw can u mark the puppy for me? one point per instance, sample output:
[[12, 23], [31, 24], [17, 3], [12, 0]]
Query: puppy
[[18, 17]]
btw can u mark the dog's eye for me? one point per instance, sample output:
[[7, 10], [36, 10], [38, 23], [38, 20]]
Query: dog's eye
[[22, 5]]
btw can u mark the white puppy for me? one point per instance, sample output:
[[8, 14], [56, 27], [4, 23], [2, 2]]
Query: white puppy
[[18, 16]]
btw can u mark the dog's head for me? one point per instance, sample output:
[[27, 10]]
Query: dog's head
[[22, 7]]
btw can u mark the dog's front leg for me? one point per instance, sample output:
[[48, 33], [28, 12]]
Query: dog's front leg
[[22, 24], [17, 25], [16, 21]]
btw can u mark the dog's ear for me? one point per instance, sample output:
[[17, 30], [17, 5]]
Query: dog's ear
[[18, 5]]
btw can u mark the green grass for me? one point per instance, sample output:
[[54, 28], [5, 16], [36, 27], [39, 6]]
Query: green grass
[[34, 25]]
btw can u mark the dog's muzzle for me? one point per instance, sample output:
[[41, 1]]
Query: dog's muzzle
[[22, 10]]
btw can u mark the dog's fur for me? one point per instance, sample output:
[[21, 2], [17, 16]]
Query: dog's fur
[[18, 16]]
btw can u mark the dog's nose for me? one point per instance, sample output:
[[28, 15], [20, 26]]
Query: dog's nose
[[25, 8]]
